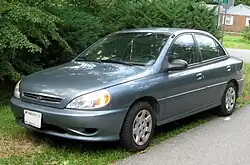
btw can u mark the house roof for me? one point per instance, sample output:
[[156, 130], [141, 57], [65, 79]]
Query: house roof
[[241, 9]]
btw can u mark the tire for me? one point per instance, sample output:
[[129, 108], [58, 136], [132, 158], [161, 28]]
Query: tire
[[131, 140], [226, 108]]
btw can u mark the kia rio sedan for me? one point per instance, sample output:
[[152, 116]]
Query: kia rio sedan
[[129, 82]]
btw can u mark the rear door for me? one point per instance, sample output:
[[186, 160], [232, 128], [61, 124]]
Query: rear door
[[184, 89], [216, 68]]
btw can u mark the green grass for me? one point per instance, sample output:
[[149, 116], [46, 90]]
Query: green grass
[[236, 42], [7, 124], [61, 151], [245, 98], [44, 149]]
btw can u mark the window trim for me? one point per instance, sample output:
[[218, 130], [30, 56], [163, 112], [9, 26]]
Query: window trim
[[231, 20], [196, 48], [215, 59], [247, 21]]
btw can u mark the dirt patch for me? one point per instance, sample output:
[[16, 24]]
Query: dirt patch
[[18, 146]]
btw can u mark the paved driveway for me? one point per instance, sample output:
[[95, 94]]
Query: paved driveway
[[242, 54], [222, 141], [218, 142]]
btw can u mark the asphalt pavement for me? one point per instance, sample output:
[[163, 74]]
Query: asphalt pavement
[[221, 141], [242, 54]]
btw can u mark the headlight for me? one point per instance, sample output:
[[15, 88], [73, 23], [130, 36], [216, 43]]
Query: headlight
[[17, 91], [91, 101]]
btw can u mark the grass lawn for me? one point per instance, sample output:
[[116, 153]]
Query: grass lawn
[[236, 42], [17, 146]]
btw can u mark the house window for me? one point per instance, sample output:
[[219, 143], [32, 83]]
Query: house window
[[248, 21], [229, 20]]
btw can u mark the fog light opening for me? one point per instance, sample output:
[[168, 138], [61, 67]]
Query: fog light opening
[[90, 130]]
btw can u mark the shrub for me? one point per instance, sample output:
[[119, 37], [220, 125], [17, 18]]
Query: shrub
[[25, 33], [79, 28], [246, 33], [35, 36], [159, 13]]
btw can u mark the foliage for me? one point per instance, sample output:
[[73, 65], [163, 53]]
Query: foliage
[[246, 33], [245, 2], [49, 32], [24, 32], [160, 13], [79, 28]]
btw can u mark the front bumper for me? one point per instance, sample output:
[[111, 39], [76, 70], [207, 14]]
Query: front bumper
[[240, 86], [100, 125]]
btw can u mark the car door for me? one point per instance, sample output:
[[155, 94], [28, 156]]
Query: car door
[[216, 68], [184, 89]]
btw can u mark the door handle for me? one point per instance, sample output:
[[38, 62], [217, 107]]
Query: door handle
[[199, 76], [228, 68]]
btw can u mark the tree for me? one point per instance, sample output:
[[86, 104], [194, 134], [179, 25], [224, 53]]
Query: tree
[[245, 2], [25, 32], [38, 35], [159, 13]]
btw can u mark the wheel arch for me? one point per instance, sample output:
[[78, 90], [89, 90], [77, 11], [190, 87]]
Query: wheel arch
[[236, 85], [152, 102], [149, 99], [125, 138]]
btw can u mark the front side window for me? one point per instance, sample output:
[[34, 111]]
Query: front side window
[[183, 48], [209, 48], [139, 48]]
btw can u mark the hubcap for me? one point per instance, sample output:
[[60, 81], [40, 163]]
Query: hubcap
[[230, 99], [142, 127]]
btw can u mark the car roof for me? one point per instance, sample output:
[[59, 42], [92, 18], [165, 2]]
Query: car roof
[[167, 31]]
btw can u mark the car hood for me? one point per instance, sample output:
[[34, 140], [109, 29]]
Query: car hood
[[73, 79]]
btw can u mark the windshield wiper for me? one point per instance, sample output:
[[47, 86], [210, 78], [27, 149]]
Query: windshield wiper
[[83, 58], [117, 62]]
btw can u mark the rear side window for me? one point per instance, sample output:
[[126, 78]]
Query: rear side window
[[209, 47]]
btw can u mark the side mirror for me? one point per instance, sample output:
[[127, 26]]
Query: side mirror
[[177, 64]]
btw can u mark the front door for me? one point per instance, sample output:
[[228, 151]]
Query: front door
[[217, 68], [185, 89]]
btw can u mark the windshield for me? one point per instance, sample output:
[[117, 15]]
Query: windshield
[[140, 48]]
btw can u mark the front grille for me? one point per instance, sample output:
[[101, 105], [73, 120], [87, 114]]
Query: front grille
[[42, 98]]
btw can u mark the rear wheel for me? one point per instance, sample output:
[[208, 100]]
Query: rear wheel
[[138, 127], [228, 101]]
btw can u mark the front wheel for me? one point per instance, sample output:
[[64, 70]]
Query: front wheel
[[228, 101], [138, 127]]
